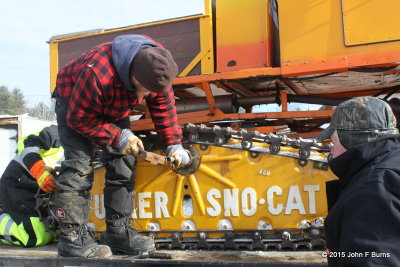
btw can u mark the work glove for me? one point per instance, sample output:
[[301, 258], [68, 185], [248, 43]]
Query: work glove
[[181, 156], [129, 144], [43, 176]]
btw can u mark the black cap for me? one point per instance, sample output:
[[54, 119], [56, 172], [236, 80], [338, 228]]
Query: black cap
[[154, 68]]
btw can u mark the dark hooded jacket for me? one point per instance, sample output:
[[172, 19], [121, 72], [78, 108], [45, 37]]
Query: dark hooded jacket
[[97, 89], [363, 223]]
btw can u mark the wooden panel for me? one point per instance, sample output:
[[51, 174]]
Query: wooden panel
[[181, 38]]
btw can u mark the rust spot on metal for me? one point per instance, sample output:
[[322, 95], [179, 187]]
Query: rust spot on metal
[[224, 168]]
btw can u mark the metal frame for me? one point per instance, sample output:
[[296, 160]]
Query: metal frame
[[215, 114]]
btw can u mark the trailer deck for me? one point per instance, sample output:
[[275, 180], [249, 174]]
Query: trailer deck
[[46, 256]]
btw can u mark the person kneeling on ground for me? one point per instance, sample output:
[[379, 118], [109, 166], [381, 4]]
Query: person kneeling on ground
[[30, 170]]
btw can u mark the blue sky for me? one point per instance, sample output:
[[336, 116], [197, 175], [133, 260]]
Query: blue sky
[[26, 26]]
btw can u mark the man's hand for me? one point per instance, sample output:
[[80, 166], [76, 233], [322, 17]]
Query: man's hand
[[43, 176], [47, 183], [129, 144], [181, 156]]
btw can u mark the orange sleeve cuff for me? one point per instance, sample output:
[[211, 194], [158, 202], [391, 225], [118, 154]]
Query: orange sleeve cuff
[[37, 169]]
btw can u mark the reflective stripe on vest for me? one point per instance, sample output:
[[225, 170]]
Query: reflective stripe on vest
[[31, 149], [20, 158], [51, 157], [6, 233]]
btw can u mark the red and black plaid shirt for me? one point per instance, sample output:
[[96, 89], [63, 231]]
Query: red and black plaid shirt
[[97, 98]]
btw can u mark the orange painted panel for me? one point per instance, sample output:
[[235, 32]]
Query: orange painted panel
[[236, 57], [341, 63], [311, 35], [243, 34]]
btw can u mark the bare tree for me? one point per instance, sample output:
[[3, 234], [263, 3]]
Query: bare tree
[[43, 111]]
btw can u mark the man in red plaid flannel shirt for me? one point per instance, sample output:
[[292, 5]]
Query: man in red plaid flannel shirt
[[95, 94]]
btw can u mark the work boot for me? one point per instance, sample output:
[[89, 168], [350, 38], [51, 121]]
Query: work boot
[[122, 238], [79, 241]]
